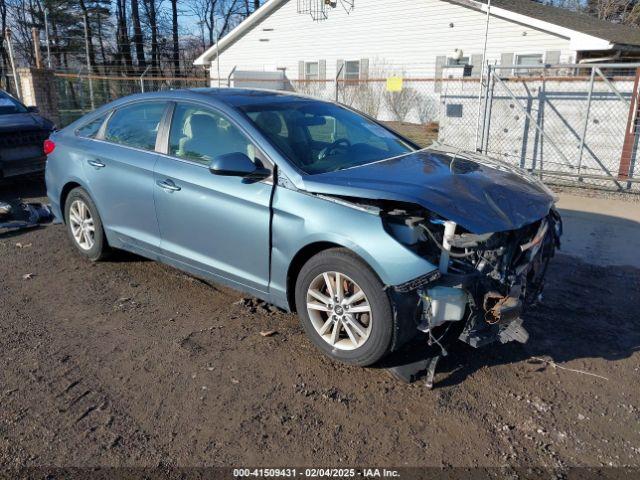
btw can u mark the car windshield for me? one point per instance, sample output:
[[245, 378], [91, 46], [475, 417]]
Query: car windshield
[[8, 105], [321, 137]]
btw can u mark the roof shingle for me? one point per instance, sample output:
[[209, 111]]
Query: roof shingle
[[580, 22]]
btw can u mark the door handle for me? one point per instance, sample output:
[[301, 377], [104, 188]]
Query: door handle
[[96, 163], [168, 185]]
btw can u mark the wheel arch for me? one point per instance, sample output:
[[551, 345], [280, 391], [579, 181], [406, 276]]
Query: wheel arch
[[64, 193], [303, 256]]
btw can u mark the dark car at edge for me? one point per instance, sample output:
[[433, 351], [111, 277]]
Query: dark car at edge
[[22, 134]]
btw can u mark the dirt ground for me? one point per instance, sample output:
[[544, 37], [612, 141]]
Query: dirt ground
[[131, 363]]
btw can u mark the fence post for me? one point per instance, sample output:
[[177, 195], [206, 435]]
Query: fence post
[[487, 121], [631, 131], [233, 70], [142, 78], [481, 124], [7, 34], [338, 73], [586, 122]]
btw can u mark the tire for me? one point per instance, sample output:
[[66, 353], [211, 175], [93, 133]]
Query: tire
[[97, 249], [370, 339]]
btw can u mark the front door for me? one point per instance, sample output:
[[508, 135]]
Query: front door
[[212, 224]]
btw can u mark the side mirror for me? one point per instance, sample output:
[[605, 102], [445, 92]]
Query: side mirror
[[237, 164], [33, 109]]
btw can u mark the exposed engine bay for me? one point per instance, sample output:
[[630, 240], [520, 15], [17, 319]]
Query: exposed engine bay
[[486, 279]]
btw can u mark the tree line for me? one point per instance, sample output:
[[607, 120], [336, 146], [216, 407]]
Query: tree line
[[625, 12], [128, 37], [161, 37]]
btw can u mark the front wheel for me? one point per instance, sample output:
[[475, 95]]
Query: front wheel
[[343, 307]]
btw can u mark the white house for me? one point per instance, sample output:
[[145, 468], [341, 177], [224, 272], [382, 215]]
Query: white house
[[410, 38]]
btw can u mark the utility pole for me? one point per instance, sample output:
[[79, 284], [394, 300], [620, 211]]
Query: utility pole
[[7, 36], [218, 57], [46, 36], [35, 34], [484, 61], [89, 70], [201, 24]]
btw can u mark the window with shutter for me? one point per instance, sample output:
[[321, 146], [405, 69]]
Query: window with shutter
[[311, 71], [352, 70]]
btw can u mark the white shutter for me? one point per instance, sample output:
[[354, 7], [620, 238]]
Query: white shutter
[[364, 68], [440, 62]]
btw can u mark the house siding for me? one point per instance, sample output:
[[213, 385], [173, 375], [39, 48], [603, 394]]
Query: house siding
[[397, 37]]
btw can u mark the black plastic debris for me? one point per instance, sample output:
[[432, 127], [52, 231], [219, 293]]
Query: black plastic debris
[[17, 215]]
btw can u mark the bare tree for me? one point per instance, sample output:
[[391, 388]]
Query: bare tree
[[138, 39], [400, 103], [176, 40], [3, 53], [205, 11], [151, 9], [626, 12], [123, 47], [89, 32]]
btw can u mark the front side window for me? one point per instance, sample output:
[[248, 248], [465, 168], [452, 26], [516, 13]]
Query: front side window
[[200, 134], [9, 105], [321, 137], [91, 129], [352, 70], [136, 125]]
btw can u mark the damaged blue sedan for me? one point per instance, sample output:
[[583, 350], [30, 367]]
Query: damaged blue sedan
[[313, 207]]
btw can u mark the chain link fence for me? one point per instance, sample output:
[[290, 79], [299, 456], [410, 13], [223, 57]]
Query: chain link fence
[[79, 94], [567, 123], [574, 124]]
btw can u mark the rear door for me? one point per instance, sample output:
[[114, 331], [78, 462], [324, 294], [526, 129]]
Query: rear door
[[210, 223], [119, 170]]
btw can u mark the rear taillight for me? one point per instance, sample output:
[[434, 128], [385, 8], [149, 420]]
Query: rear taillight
[[48, 147]]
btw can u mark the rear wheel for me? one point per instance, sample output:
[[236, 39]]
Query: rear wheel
[[84, 225], [344, 308]]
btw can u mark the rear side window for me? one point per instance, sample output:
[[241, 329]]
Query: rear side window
[[90, 130], [136, 125]]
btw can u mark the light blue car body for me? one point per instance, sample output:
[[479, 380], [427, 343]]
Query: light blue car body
[[252, 236]]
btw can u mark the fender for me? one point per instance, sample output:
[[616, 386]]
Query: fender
[[315, 219]]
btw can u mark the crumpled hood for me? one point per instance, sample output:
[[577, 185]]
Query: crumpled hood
[[476, 192], [23, 121]]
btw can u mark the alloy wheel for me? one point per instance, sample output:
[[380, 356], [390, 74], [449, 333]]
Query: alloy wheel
[[81, 223], [339, 310]]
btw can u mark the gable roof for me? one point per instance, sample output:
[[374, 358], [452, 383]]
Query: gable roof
[[584, 31]]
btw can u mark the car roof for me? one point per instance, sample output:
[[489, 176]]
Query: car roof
[[234, 97]]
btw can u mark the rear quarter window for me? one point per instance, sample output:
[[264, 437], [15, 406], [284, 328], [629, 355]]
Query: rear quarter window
[[91, 129]]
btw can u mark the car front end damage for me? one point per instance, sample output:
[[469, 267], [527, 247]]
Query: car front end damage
[[487, 228], [481, 288], [484, 280]]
